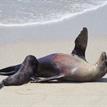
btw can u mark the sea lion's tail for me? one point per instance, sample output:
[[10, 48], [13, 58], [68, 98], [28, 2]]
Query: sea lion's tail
[[9, 70]]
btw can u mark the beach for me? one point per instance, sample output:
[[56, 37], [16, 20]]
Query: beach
[[16, 44]]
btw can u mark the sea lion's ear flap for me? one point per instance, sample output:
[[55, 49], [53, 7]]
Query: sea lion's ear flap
[[81, 43]]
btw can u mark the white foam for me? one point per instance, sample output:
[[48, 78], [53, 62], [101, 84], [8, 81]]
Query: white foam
[[67, 16]]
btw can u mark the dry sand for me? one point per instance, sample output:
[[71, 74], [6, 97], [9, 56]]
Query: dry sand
[[56, 94]]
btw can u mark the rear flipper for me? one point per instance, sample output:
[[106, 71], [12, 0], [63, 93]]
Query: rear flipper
[[47, 79], [9, 70]]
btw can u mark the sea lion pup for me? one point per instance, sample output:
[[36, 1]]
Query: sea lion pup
[[23, 75]]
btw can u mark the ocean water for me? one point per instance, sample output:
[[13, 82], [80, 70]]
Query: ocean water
[[28, 12]]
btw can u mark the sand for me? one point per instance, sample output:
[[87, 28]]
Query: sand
[[55, 94]]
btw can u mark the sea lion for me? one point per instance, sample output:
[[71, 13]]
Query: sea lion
[[60, 66]]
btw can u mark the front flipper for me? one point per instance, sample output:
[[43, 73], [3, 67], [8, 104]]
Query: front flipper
[[48, 79], [81, 44]]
